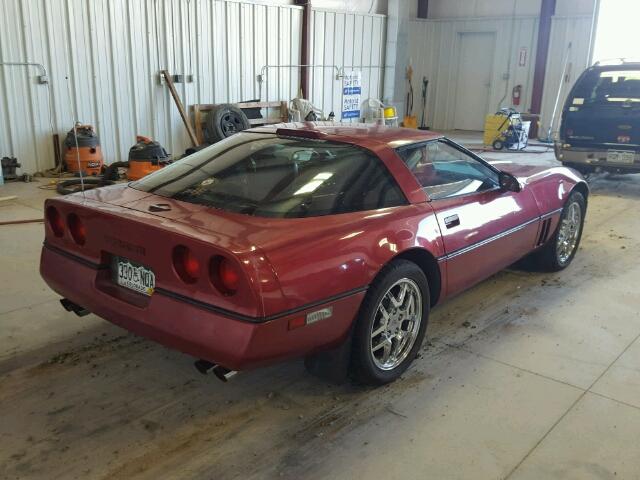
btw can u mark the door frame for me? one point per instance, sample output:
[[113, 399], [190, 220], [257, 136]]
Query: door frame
[[458, 60]]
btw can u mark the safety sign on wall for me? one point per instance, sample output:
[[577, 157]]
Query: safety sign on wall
[[351, 90]]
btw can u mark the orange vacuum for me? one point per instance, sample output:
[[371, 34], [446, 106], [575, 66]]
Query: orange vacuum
[[145, 157], [85, 147]]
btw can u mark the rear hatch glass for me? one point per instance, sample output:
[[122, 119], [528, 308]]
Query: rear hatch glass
[[604, 107], [268, 176]]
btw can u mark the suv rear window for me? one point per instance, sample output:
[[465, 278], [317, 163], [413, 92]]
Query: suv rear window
[[614, 86], [268, 176]]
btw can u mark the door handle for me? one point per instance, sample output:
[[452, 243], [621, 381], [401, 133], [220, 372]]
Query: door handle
[[452, 221], [160, 207]]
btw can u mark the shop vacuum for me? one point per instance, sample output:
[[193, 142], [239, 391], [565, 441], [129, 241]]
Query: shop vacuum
[[145, 157], [82, 152]]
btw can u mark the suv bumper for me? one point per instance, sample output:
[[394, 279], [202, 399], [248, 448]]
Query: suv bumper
[[595, 159]]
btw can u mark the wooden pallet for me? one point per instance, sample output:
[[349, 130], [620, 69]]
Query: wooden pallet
[[200, 108]]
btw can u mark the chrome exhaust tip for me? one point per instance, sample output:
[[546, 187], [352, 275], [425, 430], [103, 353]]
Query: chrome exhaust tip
[[205, 368], [69, 306]]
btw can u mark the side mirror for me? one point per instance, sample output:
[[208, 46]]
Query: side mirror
[[509, 183]]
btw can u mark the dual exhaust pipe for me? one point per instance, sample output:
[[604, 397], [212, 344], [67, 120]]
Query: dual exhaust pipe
[[203, 366], [69, 306]]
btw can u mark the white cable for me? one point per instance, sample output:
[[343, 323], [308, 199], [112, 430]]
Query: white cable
[[75, 137]]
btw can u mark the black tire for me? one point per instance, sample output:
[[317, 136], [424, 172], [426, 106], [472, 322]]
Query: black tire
[[111, 172], [225, 121], [364, 368], [548, 258], [498, 145]]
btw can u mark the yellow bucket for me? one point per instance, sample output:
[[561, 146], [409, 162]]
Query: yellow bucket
[[390, 112]]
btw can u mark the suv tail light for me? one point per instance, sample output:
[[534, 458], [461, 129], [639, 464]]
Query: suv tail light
[[55, 221], [224, 275], [77, 229], [186, 264]]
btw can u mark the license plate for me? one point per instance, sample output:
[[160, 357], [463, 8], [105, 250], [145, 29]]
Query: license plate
[[133, 276], [620, 156]]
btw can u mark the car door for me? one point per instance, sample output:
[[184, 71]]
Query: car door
[[484, 228]]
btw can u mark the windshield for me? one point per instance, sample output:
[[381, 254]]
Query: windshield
[[268, 176], [608, 87]]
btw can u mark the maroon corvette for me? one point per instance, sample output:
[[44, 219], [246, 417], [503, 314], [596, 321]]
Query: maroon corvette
[[331, 242]]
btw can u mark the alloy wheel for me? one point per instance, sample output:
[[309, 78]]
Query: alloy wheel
[[569, 233], [396, 324]]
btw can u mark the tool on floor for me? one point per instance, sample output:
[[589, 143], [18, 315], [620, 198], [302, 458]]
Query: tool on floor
[[9, 165], [505, 129], [564, 78], [410, 120], [183, 113], [425, 84], [82, 152], [145, 157]]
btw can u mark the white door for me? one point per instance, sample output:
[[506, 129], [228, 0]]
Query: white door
[[475, 70]]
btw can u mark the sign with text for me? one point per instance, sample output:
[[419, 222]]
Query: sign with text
[[351, 90]]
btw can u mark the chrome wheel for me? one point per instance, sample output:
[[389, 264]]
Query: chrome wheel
[[396, 324], [569, 232]]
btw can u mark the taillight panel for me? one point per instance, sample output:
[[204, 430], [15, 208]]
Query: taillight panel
[[77, 229], [55, 221], [186, 264], [224, 275]]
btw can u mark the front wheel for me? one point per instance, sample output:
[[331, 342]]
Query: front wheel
[[391, 324], [558, 253]]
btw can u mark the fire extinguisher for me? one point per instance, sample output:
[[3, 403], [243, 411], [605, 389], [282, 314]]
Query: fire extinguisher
[[516, 93]]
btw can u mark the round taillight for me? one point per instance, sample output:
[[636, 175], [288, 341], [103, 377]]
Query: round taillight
[[77, 229], [55, 221], [186, 264], [224, 275]]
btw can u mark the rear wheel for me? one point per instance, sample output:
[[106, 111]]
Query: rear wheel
[[391, 324], [558, 253]]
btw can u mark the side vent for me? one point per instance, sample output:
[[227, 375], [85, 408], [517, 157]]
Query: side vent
[[544, 232]]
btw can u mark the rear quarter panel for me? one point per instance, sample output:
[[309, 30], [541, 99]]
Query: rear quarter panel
[[348, 256]]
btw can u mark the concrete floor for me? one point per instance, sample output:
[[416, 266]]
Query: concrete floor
[[526, 376]]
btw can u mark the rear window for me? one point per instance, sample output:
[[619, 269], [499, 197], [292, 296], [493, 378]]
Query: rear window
[[267, 176], [607, 87]]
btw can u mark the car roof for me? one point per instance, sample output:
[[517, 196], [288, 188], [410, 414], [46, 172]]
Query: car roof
[[606, 66], [359, 133]]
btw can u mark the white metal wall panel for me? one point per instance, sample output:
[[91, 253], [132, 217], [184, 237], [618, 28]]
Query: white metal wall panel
[[564, 30], [355, 41], [103, 59], [434, 53]]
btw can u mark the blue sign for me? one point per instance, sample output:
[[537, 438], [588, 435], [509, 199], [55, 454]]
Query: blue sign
[[351, 91]]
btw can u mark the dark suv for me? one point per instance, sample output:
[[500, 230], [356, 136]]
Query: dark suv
[[600, 129]]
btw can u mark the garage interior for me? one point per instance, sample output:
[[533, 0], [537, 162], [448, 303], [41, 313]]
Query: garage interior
[[524, 376]]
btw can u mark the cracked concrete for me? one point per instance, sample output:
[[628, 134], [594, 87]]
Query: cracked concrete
[[525, 376]]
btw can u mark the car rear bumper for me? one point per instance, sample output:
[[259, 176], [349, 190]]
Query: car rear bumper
[[595, 159], [191, 327]]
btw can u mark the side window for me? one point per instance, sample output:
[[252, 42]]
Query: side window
[[444, 171]]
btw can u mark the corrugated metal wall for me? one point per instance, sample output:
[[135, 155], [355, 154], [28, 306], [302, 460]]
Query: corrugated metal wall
[[103, 58], [435, 48], [576, 30], [434, 51], [354, 41]]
